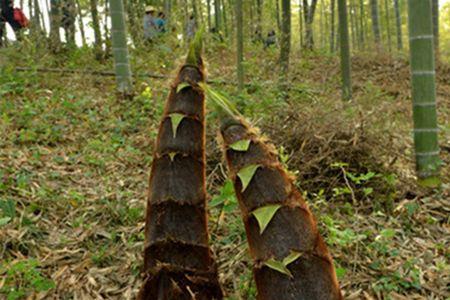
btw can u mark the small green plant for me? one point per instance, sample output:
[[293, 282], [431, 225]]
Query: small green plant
[[342, 238], [407, 277], [100, 256], [359, 185], [8, 211], [23, 278], [226, 198], [284, 158]]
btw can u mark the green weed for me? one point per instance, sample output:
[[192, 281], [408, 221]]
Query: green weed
[[22, 278]]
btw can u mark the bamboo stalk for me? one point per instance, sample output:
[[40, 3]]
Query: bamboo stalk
[[375, 23], [120, 48], [398, 23], [240, 45], [345, 51], [424, 92]]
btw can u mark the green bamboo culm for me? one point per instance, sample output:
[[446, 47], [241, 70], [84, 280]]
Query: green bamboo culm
[[285, 47], [424, 92], [120, 48], [345, 51], [375, 22], [240, 44], [398, 22]]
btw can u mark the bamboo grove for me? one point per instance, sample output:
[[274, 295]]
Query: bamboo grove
[[291, 260], [370, 22]]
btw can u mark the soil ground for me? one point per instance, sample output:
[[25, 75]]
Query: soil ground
[[75, 161]]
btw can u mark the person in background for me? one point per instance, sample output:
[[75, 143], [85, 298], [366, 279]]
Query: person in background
[[257, 37], [8, 14], [191, 28], [161, 22], [150, 29], [271, 39]]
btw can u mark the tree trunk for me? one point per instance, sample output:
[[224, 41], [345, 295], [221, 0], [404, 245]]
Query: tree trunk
[[398, 21], [435, 9], [240, 44], [345, 51], [217, 16], [375, 22], [37, 19], [352, 21], [96, 26], [133, 25], [186, 14], [362, 23], [107, 39], [68, 17], [333, 26], [120, 48], [30, 9], [388, 25], [356, 24], [80, 23], [277, 11], [177, 259], [424, 92], [309, 12], [195, 10], [208, 5], [321, 25], [285, 38], [3, 38], [168, 12], [300, 23], [55, 24], [259, 11], [200, 13], [327, 25], [224, 18], [252, 20]]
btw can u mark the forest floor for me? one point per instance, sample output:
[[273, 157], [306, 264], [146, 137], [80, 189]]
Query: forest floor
[[75, 161]]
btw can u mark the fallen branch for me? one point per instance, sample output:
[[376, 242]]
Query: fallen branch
[[111, 73], [104, 73]]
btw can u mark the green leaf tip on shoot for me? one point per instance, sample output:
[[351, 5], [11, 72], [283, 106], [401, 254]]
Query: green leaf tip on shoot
[[176, 119], [241, 145], [281, 266], [246, 174], [293, 256], [172, 156], [195, 49], [264, 215], [182, 86], [221, 104], [278, 266]]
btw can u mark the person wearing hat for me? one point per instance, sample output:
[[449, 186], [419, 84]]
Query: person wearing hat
[[150, 28]]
